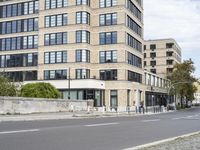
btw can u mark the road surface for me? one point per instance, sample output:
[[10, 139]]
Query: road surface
[[115, 133]]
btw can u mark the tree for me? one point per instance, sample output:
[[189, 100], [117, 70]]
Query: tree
[[7, 88], [39, 90], [182, 80]]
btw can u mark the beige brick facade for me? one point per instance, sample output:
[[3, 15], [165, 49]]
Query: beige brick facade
[[127, 91], [168, 53]]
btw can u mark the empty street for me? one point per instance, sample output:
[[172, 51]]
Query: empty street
[[113, 133]]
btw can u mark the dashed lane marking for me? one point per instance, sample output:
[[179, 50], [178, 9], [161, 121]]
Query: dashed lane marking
[[155, 120], [102, 124], [19, 131]]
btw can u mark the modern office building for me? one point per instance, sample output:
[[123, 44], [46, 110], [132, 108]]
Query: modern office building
[[161, 55], [88, 49]]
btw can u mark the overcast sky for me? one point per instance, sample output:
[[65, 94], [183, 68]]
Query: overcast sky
[[178, 19]]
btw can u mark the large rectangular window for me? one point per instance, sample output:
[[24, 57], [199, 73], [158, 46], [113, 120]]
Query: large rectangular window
[[55, 57], [55, 74], [108, 38], [56, 20], [55, 38], [108, 19], [135, 77], [24, 25], [134, 43], [19, 9], [50, 4], [82, 55], [19, 76], [153, 63], [134, 60], [82, 36], [135, 11], [108, 74], [82, 17], [107, 3], [153, 46], [113, 99], [108, 56], [82, 73], [18, 60], [134, 26], [18, 43]]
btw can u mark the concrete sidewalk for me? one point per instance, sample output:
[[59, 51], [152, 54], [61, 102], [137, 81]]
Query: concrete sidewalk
[[184, 142], [62, 115], [69, 115]]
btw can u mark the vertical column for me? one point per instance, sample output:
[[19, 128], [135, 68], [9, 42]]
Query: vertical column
[[137, 98], [144, 98]]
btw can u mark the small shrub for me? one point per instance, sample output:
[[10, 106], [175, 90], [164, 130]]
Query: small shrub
[[39, 90], [7, 88]]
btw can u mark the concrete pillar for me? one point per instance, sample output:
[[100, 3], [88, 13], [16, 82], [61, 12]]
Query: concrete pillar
[[137, 98], [144, 96]]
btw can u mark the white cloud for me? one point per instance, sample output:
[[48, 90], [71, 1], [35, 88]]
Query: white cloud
[[178, 19]]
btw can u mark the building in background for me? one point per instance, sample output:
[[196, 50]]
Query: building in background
[[197, 94], [161, 55], [88, 49], [157, 90]]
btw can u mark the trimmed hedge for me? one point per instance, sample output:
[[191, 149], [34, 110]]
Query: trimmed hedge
[[40, 90]]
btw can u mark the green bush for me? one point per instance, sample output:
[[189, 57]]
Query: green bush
[[39, 90], [7, 88]]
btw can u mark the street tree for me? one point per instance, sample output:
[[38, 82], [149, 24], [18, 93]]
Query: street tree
[[182, 79], [39, 90], [7, 88]]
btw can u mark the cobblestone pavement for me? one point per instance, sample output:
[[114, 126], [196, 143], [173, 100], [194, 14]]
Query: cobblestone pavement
[[186, 143]]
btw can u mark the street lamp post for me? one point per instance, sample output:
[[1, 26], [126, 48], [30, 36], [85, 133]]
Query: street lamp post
[[152, 99], [69, 96]]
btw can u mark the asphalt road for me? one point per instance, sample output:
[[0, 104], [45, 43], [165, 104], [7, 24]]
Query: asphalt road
[[115, 133]]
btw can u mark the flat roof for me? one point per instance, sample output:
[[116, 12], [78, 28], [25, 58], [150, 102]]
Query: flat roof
[[167, 39]]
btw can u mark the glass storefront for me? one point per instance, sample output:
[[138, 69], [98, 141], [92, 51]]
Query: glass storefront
[[85, 94], [155, 99]]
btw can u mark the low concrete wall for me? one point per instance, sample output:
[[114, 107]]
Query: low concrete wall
[[19, 105]]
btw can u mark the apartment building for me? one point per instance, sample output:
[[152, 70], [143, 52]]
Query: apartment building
[[88, 49], [161, 55]]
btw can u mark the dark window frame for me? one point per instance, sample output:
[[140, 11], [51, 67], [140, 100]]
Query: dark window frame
[[63, 60], [104, 38], [105, 53]]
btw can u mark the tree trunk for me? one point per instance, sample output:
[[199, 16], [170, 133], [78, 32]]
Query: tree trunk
[[181, 101]]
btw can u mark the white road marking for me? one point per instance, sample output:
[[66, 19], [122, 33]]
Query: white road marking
[[186, 117], [19, 131], [151, 120], [102, 124], [192, 118], [178, 118]]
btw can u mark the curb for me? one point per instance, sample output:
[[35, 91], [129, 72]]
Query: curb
[[162, 141], [72, 116]]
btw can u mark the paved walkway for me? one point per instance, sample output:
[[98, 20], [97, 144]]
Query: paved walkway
[[184, 143], [61, 115], [67, 115]]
